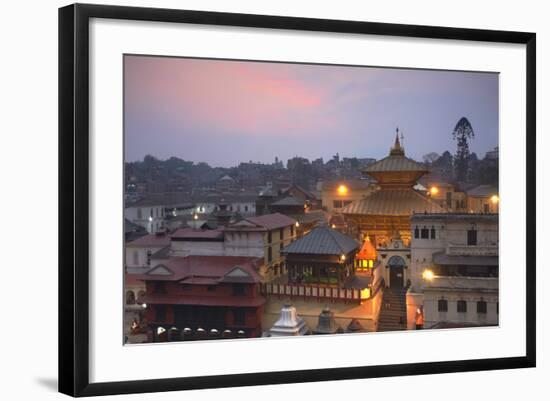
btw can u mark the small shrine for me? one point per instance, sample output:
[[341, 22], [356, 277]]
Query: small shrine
[[323, 256], [289, 324], [355, 326], [326, 324], [366, 257]]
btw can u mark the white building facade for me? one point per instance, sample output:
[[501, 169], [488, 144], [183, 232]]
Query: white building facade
[[146, 214], [454, 270]]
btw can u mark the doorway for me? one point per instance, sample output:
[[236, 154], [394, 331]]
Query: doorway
[[397, 272]]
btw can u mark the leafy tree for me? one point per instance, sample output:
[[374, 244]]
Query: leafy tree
[[443, 166], [462, 133]]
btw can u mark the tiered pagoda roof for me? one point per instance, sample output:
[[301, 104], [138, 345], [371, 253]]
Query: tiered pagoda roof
[[322, 240], [396, 175]]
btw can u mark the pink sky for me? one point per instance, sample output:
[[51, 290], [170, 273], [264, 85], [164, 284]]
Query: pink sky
[[223, 112]]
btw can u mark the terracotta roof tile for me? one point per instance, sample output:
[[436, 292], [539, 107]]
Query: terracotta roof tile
[[212, 267], [272, 221], [191, 233], [151, 240]]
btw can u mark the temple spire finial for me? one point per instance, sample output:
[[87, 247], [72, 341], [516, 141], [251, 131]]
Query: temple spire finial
[[397, 144], [397, 149]]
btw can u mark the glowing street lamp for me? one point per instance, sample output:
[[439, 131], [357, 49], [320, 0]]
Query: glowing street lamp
[[342, 257], [494, 199], [342, 190], [428, 275], [434, 191]]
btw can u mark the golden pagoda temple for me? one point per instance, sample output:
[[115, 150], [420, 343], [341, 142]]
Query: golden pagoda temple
[[386, 212]]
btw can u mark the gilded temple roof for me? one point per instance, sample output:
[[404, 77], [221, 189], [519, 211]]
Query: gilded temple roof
[[395, 202], [395, 163]]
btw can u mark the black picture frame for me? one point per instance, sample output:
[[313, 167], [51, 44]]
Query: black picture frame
[[74, 198]]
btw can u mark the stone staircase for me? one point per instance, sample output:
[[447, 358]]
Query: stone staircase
[[393, 311]]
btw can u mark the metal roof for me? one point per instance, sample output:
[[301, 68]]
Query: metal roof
[[322, 240], [395, 202], [395, 163]]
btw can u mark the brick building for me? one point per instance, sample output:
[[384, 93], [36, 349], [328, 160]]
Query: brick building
[[203, 292]]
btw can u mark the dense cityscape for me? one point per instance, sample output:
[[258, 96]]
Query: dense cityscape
[[308, 247]]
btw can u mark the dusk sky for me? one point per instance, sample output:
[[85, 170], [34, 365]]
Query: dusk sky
[[227, 112]]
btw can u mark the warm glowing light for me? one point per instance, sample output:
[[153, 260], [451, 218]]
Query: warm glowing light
[[428, 275], [365, 293], [342, 190], [434, 190], [333, 226], [342, 257], [297, 224], [494, 199], [144, 306], [195, 217]]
